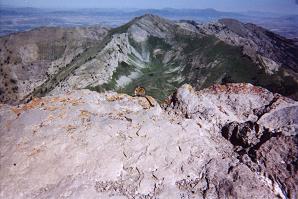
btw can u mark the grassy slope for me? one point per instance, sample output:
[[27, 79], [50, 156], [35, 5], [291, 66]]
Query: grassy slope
[[232, 66], [153, 76], [235, 67]]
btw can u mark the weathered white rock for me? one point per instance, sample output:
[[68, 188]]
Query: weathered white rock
[[88, 145]]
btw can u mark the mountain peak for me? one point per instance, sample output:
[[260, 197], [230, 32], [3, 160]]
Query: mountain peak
[[152, 24], [151, 17]]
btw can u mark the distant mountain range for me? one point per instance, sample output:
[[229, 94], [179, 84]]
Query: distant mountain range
[[21, 19]]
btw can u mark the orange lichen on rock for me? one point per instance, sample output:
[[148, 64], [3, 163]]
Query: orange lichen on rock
[[35, 151], [37, 102], [257, 90], [116, 97], [62, 115], [85, 114], [50, 117], [51, 108], [64, 100], [75, 102], [56, 99], [22, 145], [235, 88], [70, 129], [32, 104]]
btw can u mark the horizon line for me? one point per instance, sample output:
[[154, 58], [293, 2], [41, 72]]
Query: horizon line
[[149, 8]]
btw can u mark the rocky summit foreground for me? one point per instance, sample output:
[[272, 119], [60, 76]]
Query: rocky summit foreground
[[226, 141]]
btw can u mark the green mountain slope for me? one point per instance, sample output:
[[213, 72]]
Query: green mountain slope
[[188, 57], [161, 55]]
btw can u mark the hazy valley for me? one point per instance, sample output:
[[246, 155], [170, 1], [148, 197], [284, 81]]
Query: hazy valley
[[22, 19]]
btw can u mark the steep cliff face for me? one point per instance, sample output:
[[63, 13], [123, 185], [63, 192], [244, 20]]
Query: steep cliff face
[[274, 55], [29, 59], [167, 54], [263, 46], [226, 141], [161, 55]]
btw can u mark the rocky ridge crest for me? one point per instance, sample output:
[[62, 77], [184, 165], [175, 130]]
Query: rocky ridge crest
[[233, 141]]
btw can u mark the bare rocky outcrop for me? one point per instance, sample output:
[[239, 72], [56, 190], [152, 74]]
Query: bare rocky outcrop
[[226, 141], [261, 126]]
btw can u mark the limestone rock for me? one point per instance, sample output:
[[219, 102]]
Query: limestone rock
[[83, 144]]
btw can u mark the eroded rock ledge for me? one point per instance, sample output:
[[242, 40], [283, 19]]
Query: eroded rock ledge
[[227, 141]]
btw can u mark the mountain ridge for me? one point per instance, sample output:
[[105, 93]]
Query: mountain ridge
[[181, 52]]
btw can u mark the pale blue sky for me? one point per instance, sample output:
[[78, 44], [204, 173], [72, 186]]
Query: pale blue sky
[[284, 6]]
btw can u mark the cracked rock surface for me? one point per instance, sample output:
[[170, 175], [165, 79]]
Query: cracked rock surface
[[226, 141]]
